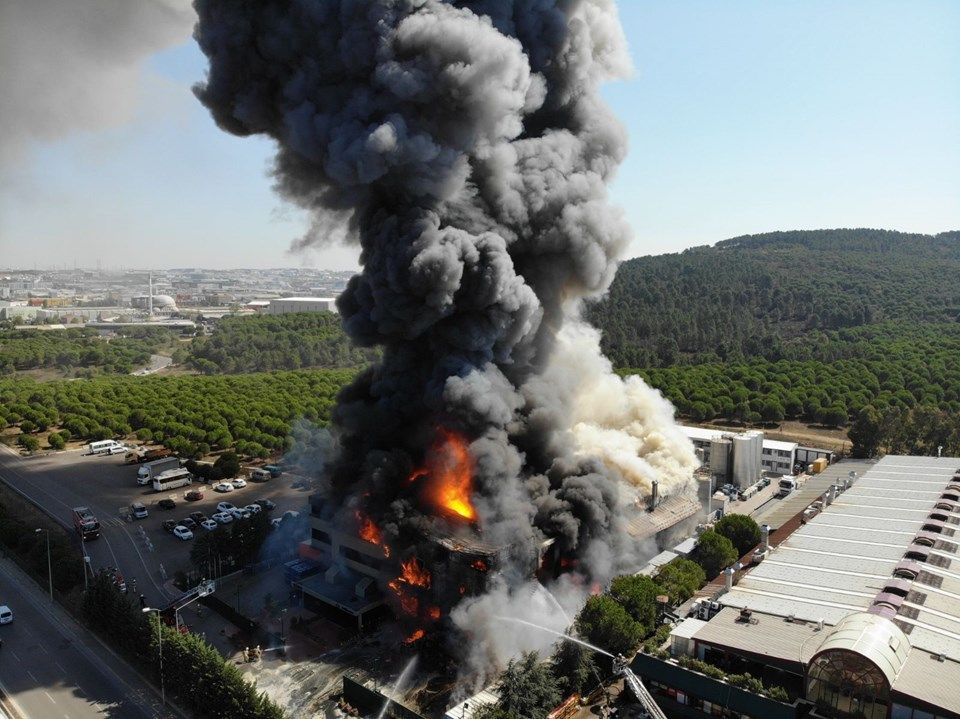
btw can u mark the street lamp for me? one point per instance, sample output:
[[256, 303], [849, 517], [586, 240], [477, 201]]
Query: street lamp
[[282, 638], [163, 691], [86, 568], [49, 564]]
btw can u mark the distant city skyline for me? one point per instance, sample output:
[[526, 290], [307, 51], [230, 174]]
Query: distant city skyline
[[743, 118]]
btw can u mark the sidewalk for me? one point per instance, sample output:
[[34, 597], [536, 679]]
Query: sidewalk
[[96, 651]]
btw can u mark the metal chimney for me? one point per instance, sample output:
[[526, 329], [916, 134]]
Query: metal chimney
[[654, 494], [728, 578], [764, 537]]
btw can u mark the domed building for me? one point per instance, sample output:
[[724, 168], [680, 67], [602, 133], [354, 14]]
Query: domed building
[[160, 302]]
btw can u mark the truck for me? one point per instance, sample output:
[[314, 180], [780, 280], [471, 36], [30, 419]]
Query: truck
[[147, 472], [85, 523], [172, 479], [139, 456], [786, 486]]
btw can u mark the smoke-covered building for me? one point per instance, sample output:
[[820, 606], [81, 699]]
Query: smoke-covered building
[[855, 613]]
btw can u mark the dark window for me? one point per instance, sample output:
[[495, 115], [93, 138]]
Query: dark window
[[320, 535], [356, 556]]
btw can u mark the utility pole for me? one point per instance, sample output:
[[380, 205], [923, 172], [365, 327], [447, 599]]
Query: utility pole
[[163, 691], [49, 563]]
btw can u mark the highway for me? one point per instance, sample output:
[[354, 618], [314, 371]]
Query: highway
[[52, 668]]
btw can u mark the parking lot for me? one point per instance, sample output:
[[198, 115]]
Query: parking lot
[[145, 553]]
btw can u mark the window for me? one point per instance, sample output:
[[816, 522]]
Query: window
[[356, 556], [320, 536], [848, 684]]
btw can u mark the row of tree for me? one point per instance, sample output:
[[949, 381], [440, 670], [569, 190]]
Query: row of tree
[[192, 415], [79, 348], [275, 342], [895, 430]]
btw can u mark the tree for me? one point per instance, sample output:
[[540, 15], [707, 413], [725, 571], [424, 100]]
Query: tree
[[741, 530], [772, 411], [866, 432], [714, 552], [228, 464], [638, 595], [26, 426], [606, 624], [527, 687], [680, 579], [835, 415], [572, 664], [28, 442], [55, 440]]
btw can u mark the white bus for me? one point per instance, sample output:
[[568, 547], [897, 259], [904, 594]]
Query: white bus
[[106, 446], [171, 479]]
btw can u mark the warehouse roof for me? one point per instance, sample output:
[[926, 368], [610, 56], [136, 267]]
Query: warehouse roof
[[881, 562]]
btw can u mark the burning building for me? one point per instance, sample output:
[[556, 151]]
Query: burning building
[[464, 147]]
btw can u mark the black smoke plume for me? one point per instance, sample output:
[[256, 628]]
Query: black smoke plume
[[464, 145]]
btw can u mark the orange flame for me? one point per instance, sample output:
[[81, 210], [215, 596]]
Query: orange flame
[[416, 636], [480, 565], [434, 613], [412, 573], [410, 605], [370, 532], [449, 472]]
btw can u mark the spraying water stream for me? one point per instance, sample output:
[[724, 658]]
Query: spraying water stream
[[559, 634], [397, 686]]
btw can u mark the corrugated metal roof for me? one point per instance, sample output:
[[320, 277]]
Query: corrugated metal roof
[[771, 636]]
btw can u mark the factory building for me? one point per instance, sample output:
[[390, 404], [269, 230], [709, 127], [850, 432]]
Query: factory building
[[286, 305], [854, 612]]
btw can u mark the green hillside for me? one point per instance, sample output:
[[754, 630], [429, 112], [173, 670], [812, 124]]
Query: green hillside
[[762, 295]]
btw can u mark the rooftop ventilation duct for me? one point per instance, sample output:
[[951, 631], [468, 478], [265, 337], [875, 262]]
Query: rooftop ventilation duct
[[917, 552], [907, 569], [898, 586]]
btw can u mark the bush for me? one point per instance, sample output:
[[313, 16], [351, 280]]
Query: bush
[[55, 440], [26, 426], [28, 442]]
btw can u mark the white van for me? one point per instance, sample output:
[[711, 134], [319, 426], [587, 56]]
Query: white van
[[106, 446], [172, 479]]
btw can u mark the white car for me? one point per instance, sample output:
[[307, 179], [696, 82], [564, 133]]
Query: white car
[[209, 524], [6, 615], [290, 514], [223, 487], [276, 522], [222, 518], [238, 482], [224, 506], [239, 513], [181, 532], [254, 508]]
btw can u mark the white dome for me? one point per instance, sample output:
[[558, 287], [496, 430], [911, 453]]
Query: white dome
[[164, 301]]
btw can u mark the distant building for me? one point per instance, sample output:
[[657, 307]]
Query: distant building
[[740, 457], [286, 305], [258, 305], [160, 302]]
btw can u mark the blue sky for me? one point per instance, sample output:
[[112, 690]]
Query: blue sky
[[743, 117]]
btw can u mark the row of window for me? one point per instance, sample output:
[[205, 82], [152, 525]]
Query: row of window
[[347, 552], [902, 712], [708, 708]]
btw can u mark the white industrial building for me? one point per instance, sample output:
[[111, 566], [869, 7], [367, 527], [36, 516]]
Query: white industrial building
[[286, 305], [741, 457]]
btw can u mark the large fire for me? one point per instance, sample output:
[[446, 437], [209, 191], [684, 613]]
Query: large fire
[[449, 474], [370, 532], [412, 573]]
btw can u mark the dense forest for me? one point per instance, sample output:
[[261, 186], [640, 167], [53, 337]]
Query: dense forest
[[191, 415], [77, 347], [275, 342], [762, 295]]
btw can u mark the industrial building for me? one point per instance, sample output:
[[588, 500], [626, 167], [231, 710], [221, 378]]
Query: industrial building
[[286, 305], [855, 611], [741, 457]]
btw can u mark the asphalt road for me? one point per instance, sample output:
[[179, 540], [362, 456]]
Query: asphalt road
[[157, 363], [49, 669], [63, 480]]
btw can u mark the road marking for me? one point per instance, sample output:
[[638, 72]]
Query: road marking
[[15, 657], [60, 667], [49, 697], [33, 677]]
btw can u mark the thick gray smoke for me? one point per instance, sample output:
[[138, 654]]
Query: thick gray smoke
[[73, 65], [465, 146]]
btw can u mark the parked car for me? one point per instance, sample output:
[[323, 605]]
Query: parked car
[[209, 524], [222, 518], [290, 514], [266, 504], [276, 522], [238, 482], [188, 523], [167, 504], [239, 513], [254, 508], [260, 475], [169, 524], [224, 506], [138, 510], [223, 487], [198, 517], [6, 614], [194, 495], [275, 470], [182, 533], [117, 577]]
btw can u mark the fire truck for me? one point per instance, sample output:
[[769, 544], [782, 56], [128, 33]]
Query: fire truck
[[85, 523]]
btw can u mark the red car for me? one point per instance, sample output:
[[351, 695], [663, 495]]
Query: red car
[[194, 494]]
